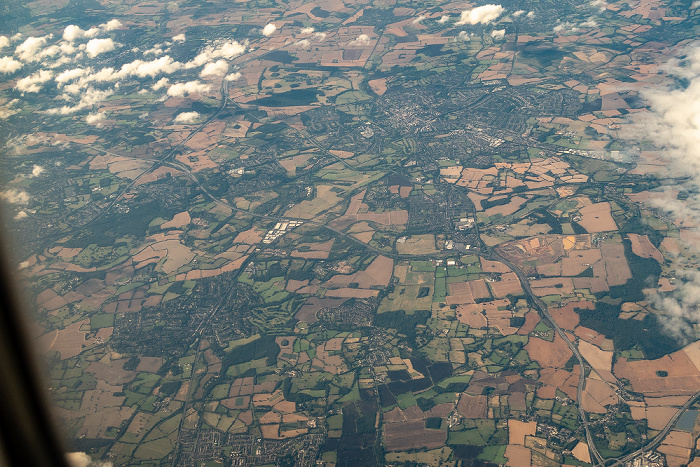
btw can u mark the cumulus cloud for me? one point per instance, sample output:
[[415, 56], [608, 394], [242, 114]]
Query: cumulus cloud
[[28, 50], [72, 32], [89, 98], [302, 43], [696, 4], [14, 196], [309, 30], [565, 27], [463, 36], [443, 19], [531, 14], [591, 23], [362, 39], [179, 38], [269, 29], [143, 69], [155, 50], [67, 48], [218, 68], [419, 19], [95, 119], [37, 170], [484, 14], [234, 76], [9, 65], [518, 13], [163, 82], [187, 117], [4, 42], [111, 25], [320, 36], [70, 75], [226, 50], [21, 215], [33, 82], [96, 47], [498, 33], [190, 87]]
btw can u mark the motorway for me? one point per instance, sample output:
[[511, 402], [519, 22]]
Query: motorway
[[542, 308]]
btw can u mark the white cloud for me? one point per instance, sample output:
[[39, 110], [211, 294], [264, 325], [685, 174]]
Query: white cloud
[[92, 32], [7, 112], [160, 84], [234, 76], [696, 4], [72, 32], [565, 27], [16, 37], [96, 47], [464, 35], [154, 51], [190, 87], [4, 42], [37, 170], [187, 117], [179, 38], [28, 50], [32, 83], [498, 33], [9, 65], [673, 126], [70, 75], [418, 20], [218, 68], [484, 14], [229, 49], [111, 25], [14, 196], [531, 14], [591, 23], [67, 48], [302, 43], [269, 29], [89, 98], [443, 19], [518, 13], [21, 215], [226, 50], [95, 119], [321, 36], [164, 64], [362, 39], [309, 30]]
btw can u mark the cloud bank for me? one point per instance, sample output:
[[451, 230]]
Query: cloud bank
[[673, 126]]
